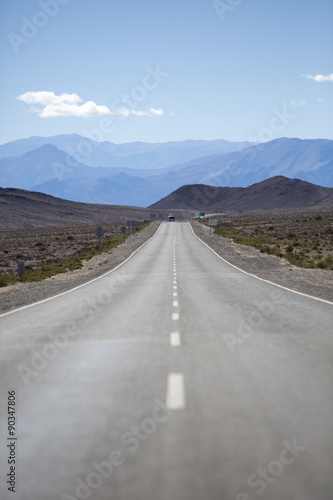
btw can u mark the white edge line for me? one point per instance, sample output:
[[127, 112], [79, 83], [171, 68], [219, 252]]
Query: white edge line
[[83, 284], [261, 279]]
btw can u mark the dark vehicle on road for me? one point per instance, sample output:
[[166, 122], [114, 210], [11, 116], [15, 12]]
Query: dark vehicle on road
[[171, 217]]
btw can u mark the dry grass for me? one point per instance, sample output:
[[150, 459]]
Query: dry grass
[[304, 239], [49, 251]]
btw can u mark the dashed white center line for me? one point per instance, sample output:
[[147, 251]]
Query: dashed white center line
[[175, 339], [175, 287], [175, 294], [175, 303], [175, 397], [175, 316]]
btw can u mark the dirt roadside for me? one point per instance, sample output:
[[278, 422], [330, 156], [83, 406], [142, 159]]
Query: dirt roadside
[[316, 282], [22, 294]]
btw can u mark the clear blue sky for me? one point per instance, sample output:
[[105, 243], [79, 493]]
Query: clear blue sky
[[156, 71]]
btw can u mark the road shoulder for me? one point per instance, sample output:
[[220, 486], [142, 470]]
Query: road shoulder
[[22, 294], [315, 282]]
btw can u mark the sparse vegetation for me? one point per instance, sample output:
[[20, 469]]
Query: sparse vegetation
[[50, 252], [308, 244]]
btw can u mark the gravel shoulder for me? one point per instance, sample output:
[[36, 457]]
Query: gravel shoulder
[[316, 282], [22, 294]]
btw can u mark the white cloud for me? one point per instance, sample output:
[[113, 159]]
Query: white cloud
[[156, 112], [61, 105], [128, 111], [320, 99], [298, 103], [319, 78], [49, 105], [152, 112]]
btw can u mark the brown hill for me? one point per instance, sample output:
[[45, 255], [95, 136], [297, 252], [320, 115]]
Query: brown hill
[[277, 193], [20, 208]]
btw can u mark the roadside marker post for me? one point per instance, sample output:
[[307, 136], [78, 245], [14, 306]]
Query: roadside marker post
[[20, 270], [123, 230], [99, 233], [131, 223], [212, 222]]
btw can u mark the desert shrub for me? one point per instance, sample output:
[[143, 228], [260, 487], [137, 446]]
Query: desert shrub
[[8, 278], [289, 248], [4, 279]]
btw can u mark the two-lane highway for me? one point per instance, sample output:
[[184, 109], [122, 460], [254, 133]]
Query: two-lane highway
[[175, 376]]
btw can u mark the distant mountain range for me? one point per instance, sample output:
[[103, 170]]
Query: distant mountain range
[[21, 208], [272, 194], [133, 155], [138, 174]]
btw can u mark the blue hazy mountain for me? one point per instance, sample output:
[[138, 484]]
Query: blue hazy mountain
[[120, 189], [134, 155], [308, 160], [50, 170], [43, 164]]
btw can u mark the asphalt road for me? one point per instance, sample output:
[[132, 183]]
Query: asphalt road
[[174, 377]]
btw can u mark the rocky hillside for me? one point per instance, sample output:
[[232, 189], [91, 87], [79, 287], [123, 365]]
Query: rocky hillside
[[275, 193]]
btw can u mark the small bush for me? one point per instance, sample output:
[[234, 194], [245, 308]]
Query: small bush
[[4, 280]]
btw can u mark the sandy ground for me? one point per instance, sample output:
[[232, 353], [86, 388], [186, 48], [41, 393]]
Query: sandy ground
[[315, 282]]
